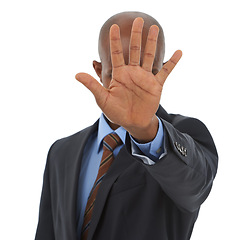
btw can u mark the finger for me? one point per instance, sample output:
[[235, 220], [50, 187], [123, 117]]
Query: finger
[[150, 48], [116, 47], [168, 67], [135, 42], [94, 86]]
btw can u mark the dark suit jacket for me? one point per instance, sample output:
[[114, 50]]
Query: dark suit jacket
[[135, 201]]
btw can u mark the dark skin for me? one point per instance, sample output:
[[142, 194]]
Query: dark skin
[[132, 81]]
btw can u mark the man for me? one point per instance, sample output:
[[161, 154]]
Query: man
[[151, 184]]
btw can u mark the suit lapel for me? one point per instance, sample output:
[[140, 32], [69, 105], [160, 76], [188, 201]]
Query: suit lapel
[[72, 170]]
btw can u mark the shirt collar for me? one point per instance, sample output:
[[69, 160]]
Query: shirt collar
[[104, 129]]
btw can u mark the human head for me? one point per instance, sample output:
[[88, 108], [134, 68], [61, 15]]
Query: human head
[[124, 20]]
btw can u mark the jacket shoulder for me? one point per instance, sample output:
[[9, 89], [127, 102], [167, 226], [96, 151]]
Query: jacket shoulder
[[71, 144]]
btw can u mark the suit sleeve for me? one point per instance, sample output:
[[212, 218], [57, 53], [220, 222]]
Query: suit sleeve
[[45, 229], [187, 171]]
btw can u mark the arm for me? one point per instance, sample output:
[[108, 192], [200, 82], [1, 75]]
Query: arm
[[186, 178], [188, 165]]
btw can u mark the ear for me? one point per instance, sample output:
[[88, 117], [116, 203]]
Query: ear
[[98, 68]]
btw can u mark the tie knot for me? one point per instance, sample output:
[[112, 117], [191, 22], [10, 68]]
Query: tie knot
[[111, 141]]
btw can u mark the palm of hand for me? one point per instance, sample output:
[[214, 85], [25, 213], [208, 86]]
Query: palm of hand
[[133, 95], [132, 91]]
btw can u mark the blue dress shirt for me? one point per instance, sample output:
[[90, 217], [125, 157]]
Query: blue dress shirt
[[149, 153]]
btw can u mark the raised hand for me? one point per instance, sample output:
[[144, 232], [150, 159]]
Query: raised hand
[[133, 96]]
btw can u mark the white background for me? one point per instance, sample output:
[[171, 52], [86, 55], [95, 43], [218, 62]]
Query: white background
[[43, 44]]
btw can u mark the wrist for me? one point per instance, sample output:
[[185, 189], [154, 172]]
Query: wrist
[[145, 134]]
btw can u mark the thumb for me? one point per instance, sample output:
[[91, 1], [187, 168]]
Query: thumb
[[93, 85]]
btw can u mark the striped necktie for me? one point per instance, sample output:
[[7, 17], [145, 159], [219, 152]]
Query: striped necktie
[[110, 142]]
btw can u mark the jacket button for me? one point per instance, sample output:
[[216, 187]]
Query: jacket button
[[185, 152], [181, 149]]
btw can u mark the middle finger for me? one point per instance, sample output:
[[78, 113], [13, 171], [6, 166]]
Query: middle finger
[[135, 42]]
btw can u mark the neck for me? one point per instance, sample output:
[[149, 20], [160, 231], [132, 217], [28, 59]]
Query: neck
[[112, 125]]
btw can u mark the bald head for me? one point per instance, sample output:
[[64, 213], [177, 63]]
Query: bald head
[[124, 20]]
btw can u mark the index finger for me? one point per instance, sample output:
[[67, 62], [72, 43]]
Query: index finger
[[116, 47]]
